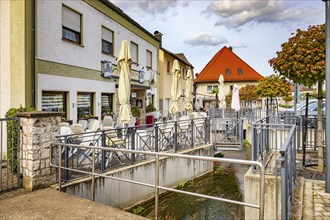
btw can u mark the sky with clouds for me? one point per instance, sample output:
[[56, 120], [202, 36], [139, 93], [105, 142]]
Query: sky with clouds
[[200, 28]]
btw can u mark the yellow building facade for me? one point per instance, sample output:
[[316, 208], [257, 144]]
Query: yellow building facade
[[166, 59]]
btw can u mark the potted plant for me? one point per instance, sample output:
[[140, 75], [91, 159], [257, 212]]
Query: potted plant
[[150, 118], [136, 113]]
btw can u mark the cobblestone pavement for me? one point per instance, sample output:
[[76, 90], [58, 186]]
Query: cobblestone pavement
[[316, 203]]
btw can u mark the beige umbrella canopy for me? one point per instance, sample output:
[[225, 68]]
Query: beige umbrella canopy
[[222, 97], [188, 93], [124, 88], [235, 103], [175, 95]]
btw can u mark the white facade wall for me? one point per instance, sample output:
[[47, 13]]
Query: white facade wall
[[51, 47]]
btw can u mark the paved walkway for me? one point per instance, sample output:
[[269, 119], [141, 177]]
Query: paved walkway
[[316, 203], [51, 204]]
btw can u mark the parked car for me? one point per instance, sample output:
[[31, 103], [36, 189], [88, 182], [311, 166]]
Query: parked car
[[313, 111], [302, 105]]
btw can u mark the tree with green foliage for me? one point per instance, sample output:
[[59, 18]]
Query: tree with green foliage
[[248, 93], [273, 86], [302, 60], [216, 92], [12, 131], [228, 98]]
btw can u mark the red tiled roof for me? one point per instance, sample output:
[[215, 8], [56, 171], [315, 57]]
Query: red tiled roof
[[227, 59]]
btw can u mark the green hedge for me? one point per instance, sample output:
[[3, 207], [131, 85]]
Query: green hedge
[[12, 127]]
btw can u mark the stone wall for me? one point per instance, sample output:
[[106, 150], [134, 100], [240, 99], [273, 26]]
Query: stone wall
[[38, 130]]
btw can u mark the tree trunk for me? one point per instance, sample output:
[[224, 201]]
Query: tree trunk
[[319, 143]]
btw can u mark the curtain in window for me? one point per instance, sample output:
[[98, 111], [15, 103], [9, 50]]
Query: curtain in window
[[134, 52], [84, 104], [149, 59], [107, 35], [52, 102], [71, 19]]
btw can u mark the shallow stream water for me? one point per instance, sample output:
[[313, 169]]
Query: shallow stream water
[[227, 183], [178, 206]]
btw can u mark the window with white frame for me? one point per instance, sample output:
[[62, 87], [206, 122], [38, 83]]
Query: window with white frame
[[209, 88], [71, 25], [134, 52], [107, 41], [149, 59]]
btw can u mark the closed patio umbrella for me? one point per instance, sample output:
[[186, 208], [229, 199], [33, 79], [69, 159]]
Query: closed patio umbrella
[[124, 88], [235, 103], [188, 93], [222, 97], [175, 95]]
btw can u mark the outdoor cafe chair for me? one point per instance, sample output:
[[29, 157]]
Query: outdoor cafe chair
[[83, 124], [107, 121], [93, 125]]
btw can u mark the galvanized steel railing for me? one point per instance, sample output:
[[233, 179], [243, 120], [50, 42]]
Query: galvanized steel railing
[[160, 137], [156, 185], [288, 173], [10, 176], [227, 133]]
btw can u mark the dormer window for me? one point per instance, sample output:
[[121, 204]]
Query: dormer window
[[239, 71], [227, 72]]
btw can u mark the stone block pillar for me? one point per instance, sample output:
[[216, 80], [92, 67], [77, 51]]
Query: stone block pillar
[[38, 130]]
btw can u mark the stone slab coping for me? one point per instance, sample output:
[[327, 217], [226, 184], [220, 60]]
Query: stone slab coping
[[38, 114]]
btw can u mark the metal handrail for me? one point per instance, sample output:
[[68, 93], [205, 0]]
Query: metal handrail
[[156, 185]]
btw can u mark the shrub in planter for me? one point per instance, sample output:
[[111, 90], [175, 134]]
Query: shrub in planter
[[150, 108], [136, 113], [12, 127]]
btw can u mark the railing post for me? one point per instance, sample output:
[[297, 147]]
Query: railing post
[[66, 161], [192, 134], [175, 136], [60, 169], [103, 152], [284, 190], [207, 130], [241, 133], [133, 131], [156, 186], [93, 175], [304, 140], [156, 138]]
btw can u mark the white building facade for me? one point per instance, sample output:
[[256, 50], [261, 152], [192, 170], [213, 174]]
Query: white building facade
[[77, 44]]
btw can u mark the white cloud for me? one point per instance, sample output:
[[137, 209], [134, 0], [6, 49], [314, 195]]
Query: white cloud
[[205, 39], [150, 7], [234, 14]]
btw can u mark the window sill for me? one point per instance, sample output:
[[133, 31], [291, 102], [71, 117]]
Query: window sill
[[72, 42]]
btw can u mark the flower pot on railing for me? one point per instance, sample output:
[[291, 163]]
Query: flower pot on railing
[[150, 119], [137, 122]]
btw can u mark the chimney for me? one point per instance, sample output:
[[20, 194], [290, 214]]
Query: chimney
[[230, 48], [158, 35]]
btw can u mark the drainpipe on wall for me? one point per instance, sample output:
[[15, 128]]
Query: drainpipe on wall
[[33, 55]]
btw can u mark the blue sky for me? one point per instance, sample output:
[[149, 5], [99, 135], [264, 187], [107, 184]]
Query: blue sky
[[200, 28]]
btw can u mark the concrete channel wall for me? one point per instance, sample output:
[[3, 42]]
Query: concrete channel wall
[[252, 181], [119, 194]]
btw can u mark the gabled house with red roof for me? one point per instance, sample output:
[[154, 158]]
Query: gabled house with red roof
[[232, 67]]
